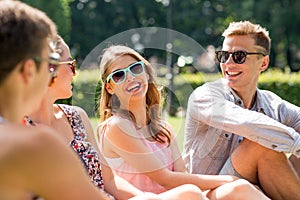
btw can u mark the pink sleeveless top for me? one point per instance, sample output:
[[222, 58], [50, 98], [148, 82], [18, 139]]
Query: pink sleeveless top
[[126, 171]]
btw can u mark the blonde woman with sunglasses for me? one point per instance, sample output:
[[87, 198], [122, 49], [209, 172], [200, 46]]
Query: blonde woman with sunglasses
[[140, 146]]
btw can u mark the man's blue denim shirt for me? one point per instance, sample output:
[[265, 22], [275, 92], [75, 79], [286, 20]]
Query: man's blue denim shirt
[[217, 120]]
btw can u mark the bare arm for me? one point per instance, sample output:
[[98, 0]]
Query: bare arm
[[122, 140], [114, 184], [209, 105], [42, 164]]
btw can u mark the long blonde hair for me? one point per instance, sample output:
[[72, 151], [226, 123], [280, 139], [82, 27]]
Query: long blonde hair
[[109, 104]]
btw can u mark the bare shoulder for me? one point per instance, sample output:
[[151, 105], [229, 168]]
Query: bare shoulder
[[23, 138], [84, 117], [119, 125], [81, 111], [24, 150], [20, 139], [36, 159]]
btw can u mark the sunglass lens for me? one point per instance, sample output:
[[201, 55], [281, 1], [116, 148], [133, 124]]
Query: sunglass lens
[[222, 56], [225, 56], [239, 57], [136, 69], [52, 67], [118, 76]]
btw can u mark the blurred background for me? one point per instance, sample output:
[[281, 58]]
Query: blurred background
[[86, 23], [189, 33]]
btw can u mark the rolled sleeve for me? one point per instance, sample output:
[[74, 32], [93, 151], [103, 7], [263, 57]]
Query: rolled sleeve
[[210, 105]]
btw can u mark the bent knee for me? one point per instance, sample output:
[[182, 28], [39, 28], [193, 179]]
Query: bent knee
[[242, 187], [190, 191]]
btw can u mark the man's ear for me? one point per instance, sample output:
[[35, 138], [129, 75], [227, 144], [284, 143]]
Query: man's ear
[[109, 88], [265, 63], [28, 70]]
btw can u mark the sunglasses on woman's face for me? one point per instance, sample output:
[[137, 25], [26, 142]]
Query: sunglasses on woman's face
[[72, 65], [239, 57], [119, 76]]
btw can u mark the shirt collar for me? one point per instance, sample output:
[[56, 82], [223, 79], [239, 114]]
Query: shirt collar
[[258, 102]]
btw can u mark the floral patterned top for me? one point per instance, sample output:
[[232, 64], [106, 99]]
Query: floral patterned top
[[81, 146]]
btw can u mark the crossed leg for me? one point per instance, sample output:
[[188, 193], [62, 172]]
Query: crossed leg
[[267, 168]]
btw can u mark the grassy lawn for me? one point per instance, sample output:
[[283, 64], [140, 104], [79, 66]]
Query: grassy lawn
[[176, 122]]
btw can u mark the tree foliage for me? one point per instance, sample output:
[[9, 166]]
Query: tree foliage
[[59, 11], [89, 22]]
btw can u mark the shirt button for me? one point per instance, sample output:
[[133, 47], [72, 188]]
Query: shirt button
[[274, 146]]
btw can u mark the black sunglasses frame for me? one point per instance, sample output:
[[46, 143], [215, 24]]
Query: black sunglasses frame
[[239, 57]]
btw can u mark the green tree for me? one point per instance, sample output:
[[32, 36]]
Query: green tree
[[94, 21], [58, 11]]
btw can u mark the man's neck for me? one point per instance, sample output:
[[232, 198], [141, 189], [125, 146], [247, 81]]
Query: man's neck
[[248, 97]]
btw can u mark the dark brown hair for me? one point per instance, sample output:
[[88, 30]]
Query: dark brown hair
[[23, 32]]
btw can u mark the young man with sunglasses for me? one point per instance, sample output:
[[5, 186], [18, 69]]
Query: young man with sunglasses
[[232, 127]]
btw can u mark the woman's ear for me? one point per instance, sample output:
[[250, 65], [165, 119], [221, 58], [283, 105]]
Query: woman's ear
[[109, 88]]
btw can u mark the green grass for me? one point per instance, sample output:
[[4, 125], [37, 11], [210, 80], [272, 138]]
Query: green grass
[[176, 122]]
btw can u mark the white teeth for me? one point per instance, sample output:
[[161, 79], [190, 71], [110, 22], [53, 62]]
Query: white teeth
[[133, 87], [232, 73]]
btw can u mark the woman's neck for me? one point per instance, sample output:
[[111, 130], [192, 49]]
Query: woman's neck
[[139, 111], [45, 113]]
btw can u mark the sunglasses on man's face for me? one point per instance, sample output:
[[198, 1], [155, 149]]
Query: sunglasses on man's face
[[72, 65], [119, 76], [53, 62], [239, 57]]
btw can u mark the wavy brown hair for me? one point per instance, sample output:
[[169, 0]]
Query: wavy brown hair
[[109, 105]]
